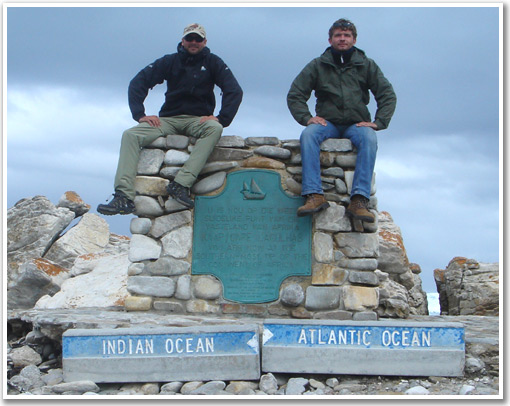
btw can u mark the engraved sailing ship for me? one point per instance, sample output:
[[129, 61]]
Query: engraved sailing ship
[[253, 192]]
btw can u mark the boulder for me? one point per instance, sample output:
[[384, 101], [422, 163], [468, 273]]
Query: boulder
[[467, 287], [72, 201], [401, 288], [37, 277], [90, 235], [33, 224]]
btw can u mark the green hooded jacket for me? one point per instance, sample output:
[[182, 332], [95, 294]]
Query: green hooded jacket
[[342, 92]]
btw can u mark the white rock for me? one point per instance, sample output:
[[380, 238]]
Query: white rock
[[173, 157], [104, 286], [143, 248], [177, 243], [417, 390], [466, 389], [90, 235]]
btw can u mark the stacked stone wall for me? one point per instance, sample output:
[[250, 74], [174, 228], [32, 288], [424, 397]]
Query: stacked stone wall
[[343, 282]]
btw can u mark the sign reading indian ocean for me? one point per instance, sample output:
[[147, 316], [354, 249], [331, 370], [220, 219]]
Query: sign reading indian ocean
[[250, 237], [160, 354]]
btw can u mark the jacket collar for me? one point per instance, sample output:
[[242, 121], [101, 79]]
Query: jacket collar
[[358, 57]]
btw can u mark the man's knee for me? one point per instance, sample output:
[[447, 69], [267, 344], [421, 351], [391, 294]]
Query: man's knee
[[211, 129]]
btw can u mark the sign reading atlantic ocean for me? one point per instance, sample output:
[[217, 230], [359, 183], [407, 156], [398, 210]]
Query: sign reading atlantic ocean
[[250, 237]]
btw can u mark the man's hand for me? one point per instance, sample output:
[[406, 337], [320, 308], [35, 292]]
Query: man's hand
[[317, 120], [367, 124], [152, 120], [203, 119]]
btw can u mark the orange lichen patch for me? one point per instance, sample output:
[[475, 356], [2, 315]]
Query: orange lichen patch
[[392, 238], [439, 275], [120, 301], [48, 267], [458, 260], [74, 197], [90, 257], [120, 237]]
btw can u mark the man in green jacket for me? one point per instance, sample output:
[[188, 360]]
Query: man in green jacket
[[341, 78]]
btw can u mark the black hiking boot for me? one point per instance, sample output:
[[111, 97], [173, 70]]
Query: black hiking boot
[[120, 204], [180, 193]]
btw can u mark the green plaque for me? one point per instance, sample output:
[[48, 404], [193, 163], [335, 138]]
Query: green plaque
[[250, 237]]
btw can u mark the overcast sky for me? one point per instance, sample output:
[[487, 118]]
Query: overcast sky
[[437, 170]]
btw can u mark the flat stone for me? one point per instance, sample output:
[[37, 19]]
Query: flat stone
[[360, 298], [328, 274], [159, 286], [322, 298], [212, 167], [360, 264], [173, 206], [363, 278], [147, 206], [151, 186], [262, 162], [358, 245], [80, 386], [138, 303], [142, 248], [333, 219], [177, 141], [252, 141], [169, 306], [231, 141], [173, 157], [273, 152], [209, 184], [150, 161], [162, 354], [177, 243], [323, 247], [336, 145], [209, 388], [293, 186], [135, 268], [340, 186], [165, 224], [387, 347], [167, 266], [169, 172], [229, 154], [346, 160]]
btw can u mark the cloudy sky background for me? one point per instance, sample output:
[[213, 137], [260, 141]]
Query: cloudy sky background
[[437, 171]]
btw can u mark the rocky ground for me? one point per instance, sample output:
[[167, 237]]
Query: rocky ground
[[34, 364]]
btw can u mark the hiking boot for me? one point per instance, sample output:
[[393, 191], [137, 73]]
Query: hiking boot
[[120, 204], [180, 193], [314, 203], [358, 209]]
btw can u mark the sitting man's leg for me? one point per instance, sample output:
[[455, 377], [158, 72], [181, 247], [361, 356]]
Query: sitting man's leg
[[311, 140], [132, 141], [365, 141], [208, 134]]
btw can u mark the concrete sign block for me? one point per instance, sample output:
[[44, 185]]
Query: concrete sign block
[[392, 347], [226, 352]]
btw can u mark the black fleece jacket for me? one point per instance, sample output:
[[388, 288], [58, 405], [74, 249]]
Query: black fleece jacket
[[190, 86]]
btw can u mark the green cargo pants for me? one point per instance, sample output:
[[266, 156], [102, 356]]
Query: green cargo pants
[[134, 139]]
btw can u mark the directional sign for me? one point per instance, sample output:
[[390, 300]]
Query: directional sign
[[224, 352]]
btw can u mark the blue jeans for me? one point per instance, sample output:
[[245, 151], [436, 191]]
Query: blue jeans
[[363, 138]]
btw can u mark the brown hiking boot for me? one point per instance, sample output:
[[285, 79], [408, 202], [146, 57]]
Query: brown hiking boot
[[314, 203], [358, 209]]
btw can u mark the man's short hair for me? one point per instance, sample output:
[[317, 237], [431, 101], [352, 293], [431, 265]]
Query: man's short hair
[[343, 24]]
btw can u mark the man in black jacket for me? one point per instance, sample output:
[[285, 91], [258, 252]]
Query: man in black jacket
[[191, 75]]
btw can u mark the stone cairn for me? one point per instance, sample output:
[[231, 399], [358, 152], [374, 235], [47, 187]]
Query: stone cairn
[[344, 282]]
